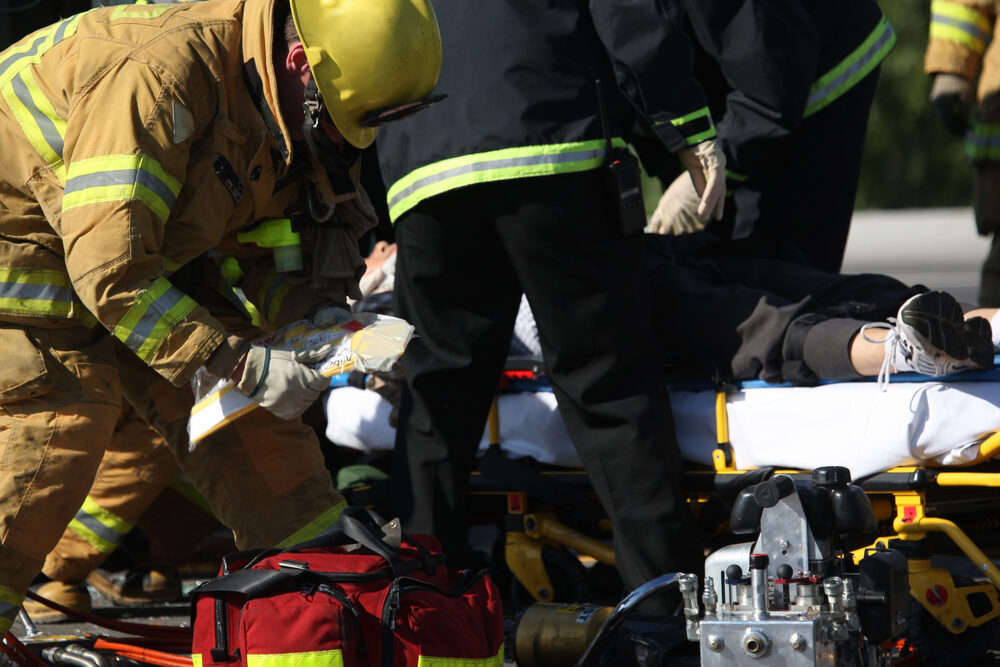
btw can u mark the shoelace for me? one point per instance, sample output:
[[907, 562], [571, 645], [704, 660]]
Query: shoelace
[[890, 349]]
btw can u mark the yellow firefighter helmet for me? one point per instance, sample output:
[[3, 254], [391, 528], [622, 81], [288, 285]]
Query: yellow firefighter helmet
[[372, 60]]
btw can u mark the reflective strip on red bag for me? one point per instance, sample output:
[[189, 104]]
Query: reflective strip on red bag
[[333, 658], [428, 661]]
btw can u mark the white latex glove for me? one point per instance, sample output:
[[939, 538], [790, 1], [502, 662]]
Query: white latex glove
[[328, 316], [707, 165], [280, 380], [677, 212]]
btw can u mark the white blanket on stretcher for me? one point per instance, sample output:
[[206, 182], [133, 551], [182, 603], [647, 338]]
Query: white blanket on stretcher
[[852, 424]]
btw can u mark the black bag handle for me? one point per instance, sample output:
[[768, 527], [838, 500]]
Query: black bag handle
[[364, 526], [359, 524]]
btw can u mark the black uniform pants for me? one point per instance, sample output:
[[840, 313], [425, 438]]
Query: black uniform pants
[[714, 313], [800, 206], [464, 258]]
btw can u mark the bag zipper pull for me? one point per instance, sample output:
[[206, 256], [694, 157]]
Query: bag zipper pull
[[393, 605]]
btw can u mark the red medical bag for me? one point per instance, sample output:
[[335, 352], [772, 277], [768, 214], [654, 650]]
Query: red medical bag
[[352, 596]]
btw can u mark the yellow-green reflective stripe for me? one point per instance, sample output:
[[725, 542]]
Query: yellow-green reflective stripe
[[272, 296], [10, 603], [270, 283], [138, 11], [276, 299], [701, 136], [16, 58], [853, 68], [36, 292], [196, 660], [954, 10], [958, 36], [232, 270], [304, 659], [314, 527], [255, 317], [983, 142], [734, 177], [86, 318], [430, 661], [687, 118], [41, 293], [43, 128], [496, 165], [963, 25], [101, 528], [116, 178], [151, 318], [35, 114], [691, 117], [170, 265]]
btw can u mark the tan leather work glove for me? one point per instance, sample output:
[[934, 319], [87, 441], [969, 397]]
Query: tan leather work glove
[[279, 380], [951, 96], [706, 164], [677, 212]]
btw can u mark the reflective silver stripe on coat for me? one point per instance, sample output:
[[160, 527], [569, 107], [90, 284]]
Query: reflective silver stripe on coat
[[33, 50], [30, 53], [964, 26], [35, 292], [122, 177], [102, 531], [858, 65], [45, 124], [151, 318], [486, 165]]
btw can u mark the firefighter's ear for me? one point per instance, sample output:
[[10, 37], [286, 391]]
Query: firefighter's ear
[[296, 64]]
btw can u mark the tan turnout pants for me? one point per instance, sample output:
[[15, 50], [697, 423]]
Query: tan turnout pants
[[136, 469], [60, 399]]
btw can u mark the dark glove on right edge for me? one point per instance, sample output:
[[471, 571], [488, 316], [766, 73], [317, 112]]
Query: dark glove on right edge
[[951, 96]]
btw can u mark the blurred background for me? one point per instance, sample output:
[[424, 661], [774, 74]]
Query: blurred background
[[910, 159], [913, 218]]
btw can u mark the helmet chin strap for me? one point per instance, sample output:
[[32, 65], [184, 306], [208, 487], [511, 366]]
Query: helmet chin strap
[[336, 159]]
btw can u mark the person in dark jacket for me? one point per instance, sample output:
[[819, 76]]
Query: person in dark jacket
[[511, 188], [797, 80]]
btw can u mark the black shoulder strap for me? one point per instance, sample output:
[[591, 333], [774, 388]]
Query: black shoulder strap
[[363, 526]]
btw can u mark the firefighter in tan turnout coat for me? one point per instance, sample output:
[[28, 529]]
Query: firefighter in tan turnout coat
[[964, 60], [136, 139]]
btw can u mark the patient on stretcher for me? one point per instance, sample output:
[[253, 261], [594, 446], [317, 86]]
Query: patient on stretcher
[[773, 319], [719, 316]]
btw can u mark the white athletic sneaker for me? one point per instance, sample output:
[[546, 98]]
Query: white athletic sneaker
[[930, 336]]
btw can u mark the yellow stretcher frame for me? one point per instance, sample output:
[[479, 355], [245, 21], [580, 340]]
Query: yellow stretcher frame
[[529, 529], [949, 604]]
